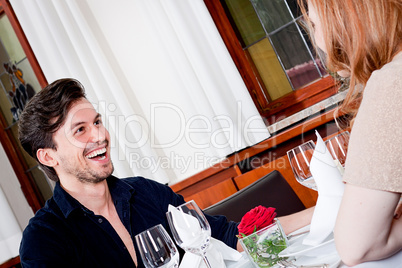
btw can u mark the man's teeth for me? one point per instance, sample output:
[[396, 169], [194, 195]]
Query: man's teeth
[[96, 153]]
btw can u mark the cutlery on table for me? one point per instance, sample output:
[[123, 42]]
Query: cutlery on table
[[288, 264]]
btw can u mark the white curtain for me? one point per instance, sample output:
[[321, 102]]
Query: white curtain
[[14, 210], [158, 72], [10, 232]]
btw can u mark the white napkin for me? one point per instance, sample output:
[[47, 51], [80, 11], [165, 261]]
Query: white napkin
[[187, 226], [330, 190], [217, 251]]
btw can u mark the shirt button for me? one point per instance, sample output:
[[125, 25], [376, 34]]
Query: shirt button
[[100, 220]]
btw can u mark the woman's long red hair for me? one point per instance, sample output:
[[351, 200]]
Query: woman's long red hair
[[361, 36]]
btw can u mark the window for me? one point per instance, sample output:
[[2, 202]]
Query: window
[[273, 54]]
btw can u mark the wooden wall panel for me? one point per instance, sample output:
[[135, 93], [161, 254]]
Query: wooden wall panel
[[306, 195], [210, 190], [214, 184], [12, 263], [205, 179], [213, 194]]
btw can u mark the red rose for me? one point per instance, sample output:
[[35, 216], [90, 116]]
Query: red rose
[[256, 219]]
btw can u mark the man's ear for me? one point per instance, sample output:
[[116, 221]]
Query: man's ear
[[45, 156]]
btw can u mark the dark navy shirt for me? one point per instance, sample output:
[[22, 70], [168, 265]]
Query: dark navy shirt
[[66, 234]]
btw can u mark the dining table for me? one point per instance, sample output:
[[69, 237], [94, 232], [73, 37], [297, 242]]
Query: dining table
[[318, 256]]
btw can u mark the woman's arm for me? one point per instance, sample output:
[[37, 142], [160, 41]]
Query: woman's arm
[[292, 222], [295, 221], [366, 228]]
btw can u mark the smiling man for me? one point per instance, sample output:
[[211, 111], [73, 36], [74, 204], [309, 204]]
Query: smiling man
[[88, 160], [92, 218]]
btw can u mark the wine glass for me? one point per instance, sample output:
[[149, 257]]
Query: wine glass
[[190, 229], [157, 248], [338, 147], [299, 158]]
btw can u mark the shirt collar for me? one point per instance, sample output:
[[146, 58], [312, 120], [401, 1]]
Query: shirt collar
[[120, 191]]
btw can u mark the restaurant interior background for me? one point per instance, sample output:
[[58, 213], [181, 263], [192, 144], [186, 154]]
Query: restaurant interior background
[[205, 96]]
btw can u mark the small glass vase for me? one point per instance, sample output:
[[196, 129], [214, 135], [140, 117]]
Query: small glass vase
[[263, 246]]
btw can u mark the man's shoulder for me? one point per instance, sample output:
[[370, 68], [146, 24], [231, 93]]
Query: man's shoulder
[[50, 236], [47, 224], [47, 215]]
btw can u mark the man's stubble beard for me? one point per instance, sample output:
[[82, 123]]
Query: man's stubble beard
[[89, 176]]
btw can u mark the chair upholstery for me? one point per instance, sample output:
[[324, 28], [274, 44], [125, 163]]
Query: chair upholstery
[[272, 190]]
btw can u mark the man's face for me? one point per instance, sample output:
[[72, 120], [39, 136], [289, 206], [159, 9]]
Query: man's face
[[82, 145]]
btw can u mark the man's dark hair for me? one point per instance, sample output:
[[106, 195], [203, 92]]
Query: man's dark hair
[[44, 114]]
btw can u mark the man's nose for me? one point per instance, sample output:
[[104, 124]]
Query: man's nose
[[98, 133]]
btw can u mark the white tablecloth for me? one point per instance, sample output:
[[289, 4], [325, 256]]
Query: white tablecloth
[[244, 262], [391, 262]]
